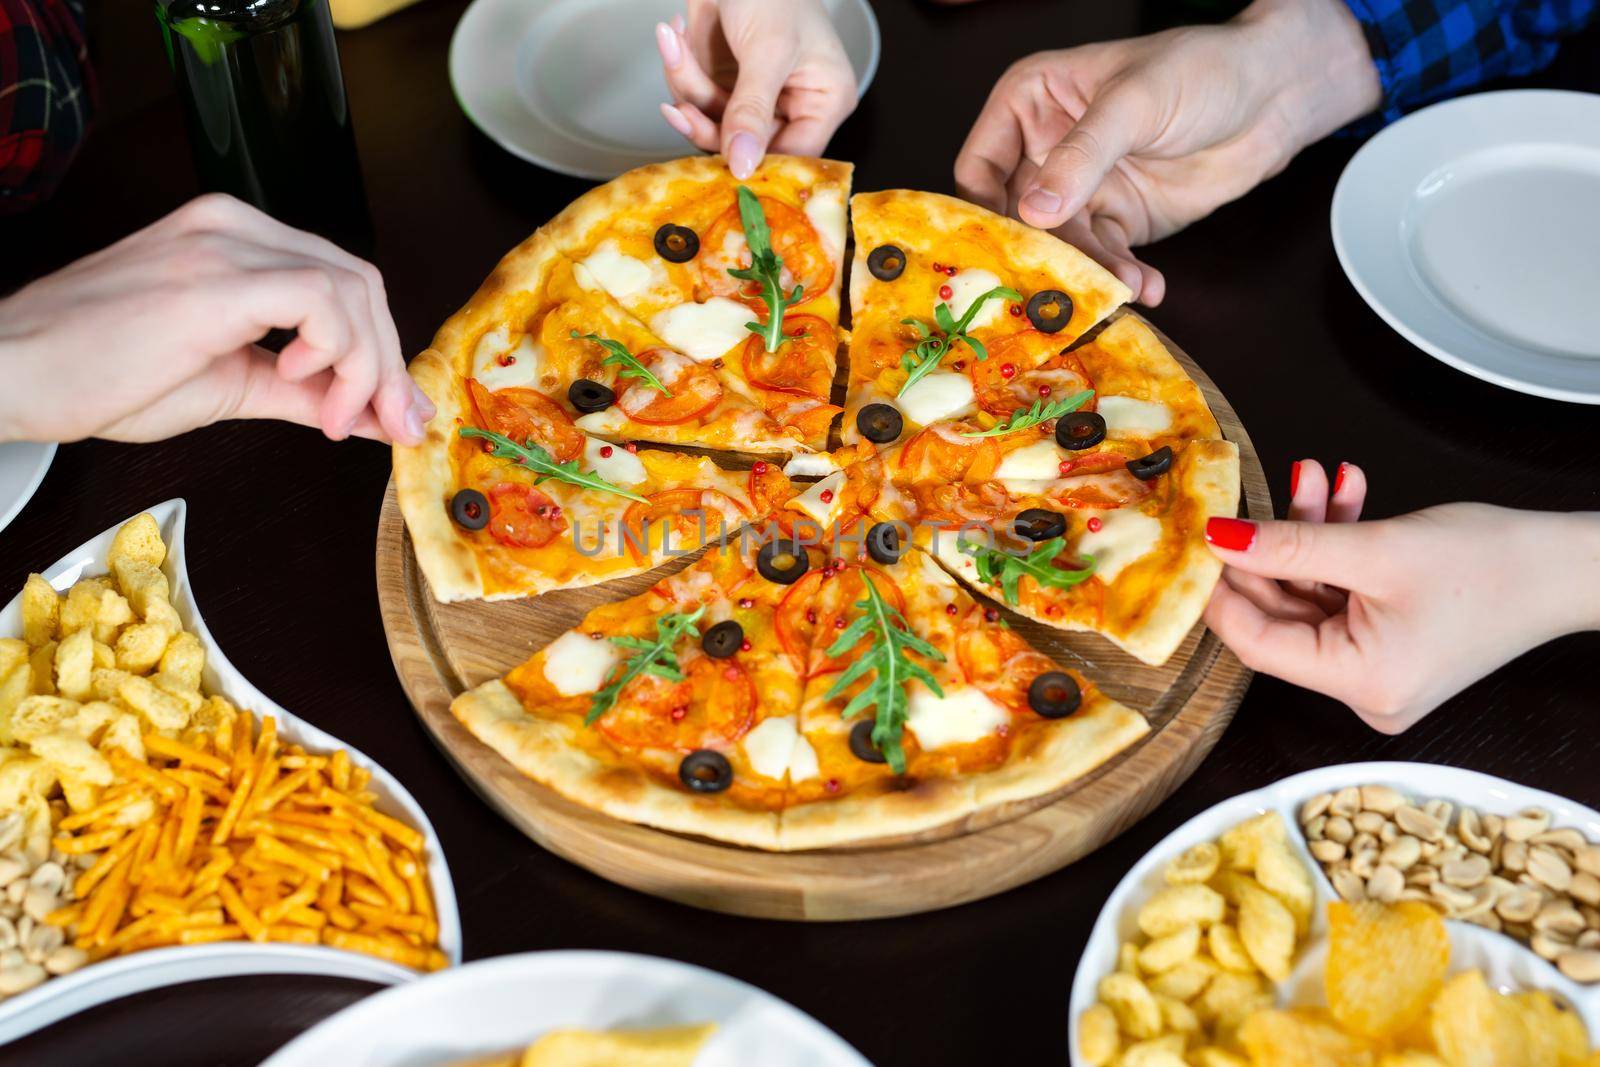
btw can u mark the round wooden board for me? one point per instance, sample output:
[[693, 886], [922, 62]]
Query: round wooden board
[[440, 650]]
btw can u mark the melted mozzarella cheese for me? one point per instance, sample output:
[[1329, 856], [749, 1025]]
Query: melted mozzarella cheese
[[938, 396], [703, 331], [812, 503], [606, 420], [618, 274], [577, 663], [825, 209], [810, 465], [1040, 460], [1124, 536], [966, 287], [616, 465], [963, 715], [497, 364], [1126, 415], [775, 749]]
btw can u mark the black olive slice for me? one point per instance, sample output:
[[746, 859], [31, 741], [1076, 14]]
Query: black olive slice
[[886, 262], [883, 543], [1039, 524], [1078, 430], [588, 395], [677, 244], [706, 771], [470, 509], [723, 639], [782, 562], [861, 746], [1054, 695], [1154, 465], [1049, 310], [880, 423]]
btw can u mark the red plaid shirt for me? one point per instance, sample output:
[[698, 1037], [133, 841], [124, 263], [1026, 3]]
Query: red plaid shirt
[[46, 96]]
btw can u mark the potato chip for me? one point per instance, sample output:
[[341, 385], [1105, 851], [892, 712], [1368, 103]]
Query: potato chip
[[1165, 953], [1556, 1035], [1178, 1017], [1385, 964], [1165, 1051], [1301, 1037], [1230, 998], [1281, 873], [1186, 980], [1222, 940], [1473, 1026], [1267, 930], [1176, 906], [1240, 844], [1098, 1038], [1138, 1014]]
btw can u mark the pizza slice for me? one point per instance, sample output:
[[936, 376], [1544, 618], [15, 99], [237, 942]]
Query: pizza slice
[[677, 708], [742, 278], [944, 296], [921, 706]]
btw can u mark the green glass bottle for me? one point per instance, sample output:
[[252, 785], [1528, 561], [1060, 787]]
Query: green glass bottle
[[266, 109]]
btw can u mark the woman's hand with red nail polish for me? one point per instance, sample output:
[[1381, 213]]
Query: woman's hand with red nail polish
[[1395, 616], [750, 76]]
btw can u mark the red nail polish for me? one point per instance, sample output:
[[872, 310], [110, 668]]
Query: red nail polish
[[1234, 535], [1294, 479], [1338, 479]]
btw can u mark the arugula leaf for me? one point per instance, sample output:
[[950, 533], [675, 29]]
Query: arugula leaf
[[930, 351], [891, 639], [995, 566], [538, 459], [1040, 412], [621, 357], [765, 269], [649, 657]]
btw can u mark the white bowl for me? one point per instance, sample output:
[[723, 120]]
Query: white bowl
[[1506, 962], [495, 1005], [138, 971]]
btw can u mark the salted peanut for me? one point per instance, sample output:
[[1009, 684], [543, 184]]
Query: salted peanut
[[1466, 872], [42, 941], [12, 867], [1381, 799], [1588, 860], [1327, 851], [1549, 945], [1514, 856], [1315, 807], [1338, 828], [1346, 802], [1389, 834], [1314, 828], [1422, 877], [20, 977], [1565, 838], [1588, 939], [1403, 853], [1527, 823], [1549, 869], [1348, 884], [1559, 917], [1486, 919], [1580, 964], [1418, 823], [1369, 822], [1469, 829], [1418, 893], [1386, 884], [1364, 861], [1520, 905], [1363, 841], [1098, 1039], [66, 959], [1454, 900], [1440, 810]]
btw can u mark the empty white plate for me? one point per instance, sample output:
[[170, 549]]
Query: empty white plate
[[576, 85], [22, 467], [1473, 228], [496, 1005]]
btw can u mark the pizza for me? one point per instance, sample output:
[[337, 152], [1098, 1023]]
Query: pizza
[[1005, 437], [736, 699]]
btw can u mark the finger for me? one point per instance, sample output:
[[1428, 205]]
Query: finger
[[1079, 232], [1077, 165], [1349, 494], [1297, 551], [1146, 282], [690, 121], [686, 79], [991, 152], [1320, 657], [1272, 598], [808, 136], [1308, 502], [750, 117]]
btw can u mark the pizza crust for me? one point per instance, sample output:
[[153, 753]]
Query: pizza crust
[[424, 483]]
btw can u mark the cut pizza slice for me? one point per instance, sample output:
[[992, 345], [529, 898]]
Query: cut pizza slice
[[922, 707], [705, 262], [945, 295], [677, 708]]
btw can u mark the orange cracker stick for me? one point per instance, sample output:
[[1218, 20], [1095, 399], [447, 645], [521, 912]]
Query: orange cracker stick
[[144, 774], [200, 935], [303, 935], [91, 842], [339, 770], [306, 894], [110, 858], [230, 814], [240, 912], [394, 828], [108, 807], [188, 827], [384, 948], [286, 785], [177, 750], [276, 850], [407, 867]]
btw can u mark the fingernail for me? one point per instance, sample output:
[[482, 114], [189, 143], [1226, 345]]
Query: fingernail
[[676, 119], [415, 428], [349, 428], [1043, 200], [1294, 479], [1338, 479], [743, 155], [678, 24], [1235, 535], [421, 404], [667, 41]]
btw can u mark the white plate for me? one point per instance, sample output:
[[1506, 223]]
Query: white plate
[[138, 971], [22, 467], [1472, 228], [1508, 964], [576, 85], [496, 1005]]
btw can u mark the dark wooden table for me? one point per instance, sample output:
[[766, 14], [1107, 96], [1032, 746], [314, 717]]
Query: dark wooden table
[[282, 525]]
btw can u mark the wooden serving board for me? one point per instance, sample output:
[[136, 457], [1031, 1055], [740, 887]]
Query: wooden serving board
[[439, 650]]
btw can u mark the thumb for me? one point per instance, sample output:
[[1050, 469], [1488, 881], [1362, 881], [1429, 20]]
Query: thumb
[[1338, 554], [1076, 166], [751, 114]]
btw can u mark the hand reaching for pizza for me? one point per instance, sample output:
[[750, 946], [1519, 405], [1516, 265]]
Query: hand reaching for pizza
[[156, 334], [750, 76], [1118, 144], [1392, 617]]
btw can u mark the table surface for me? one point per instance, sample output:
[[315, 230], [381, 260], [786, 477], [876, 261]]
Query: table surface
[[282, 526]]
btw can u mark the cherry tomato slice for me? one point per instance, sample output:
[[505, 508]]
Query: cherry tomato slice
[[940, 453], [714, 703], [998, 661], [526, 415], [1034, 361], [803, 363], [793, 238], [681, 510], [795, 620], [1110, 489], [522, 517], [836, 609], [694, 388]]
